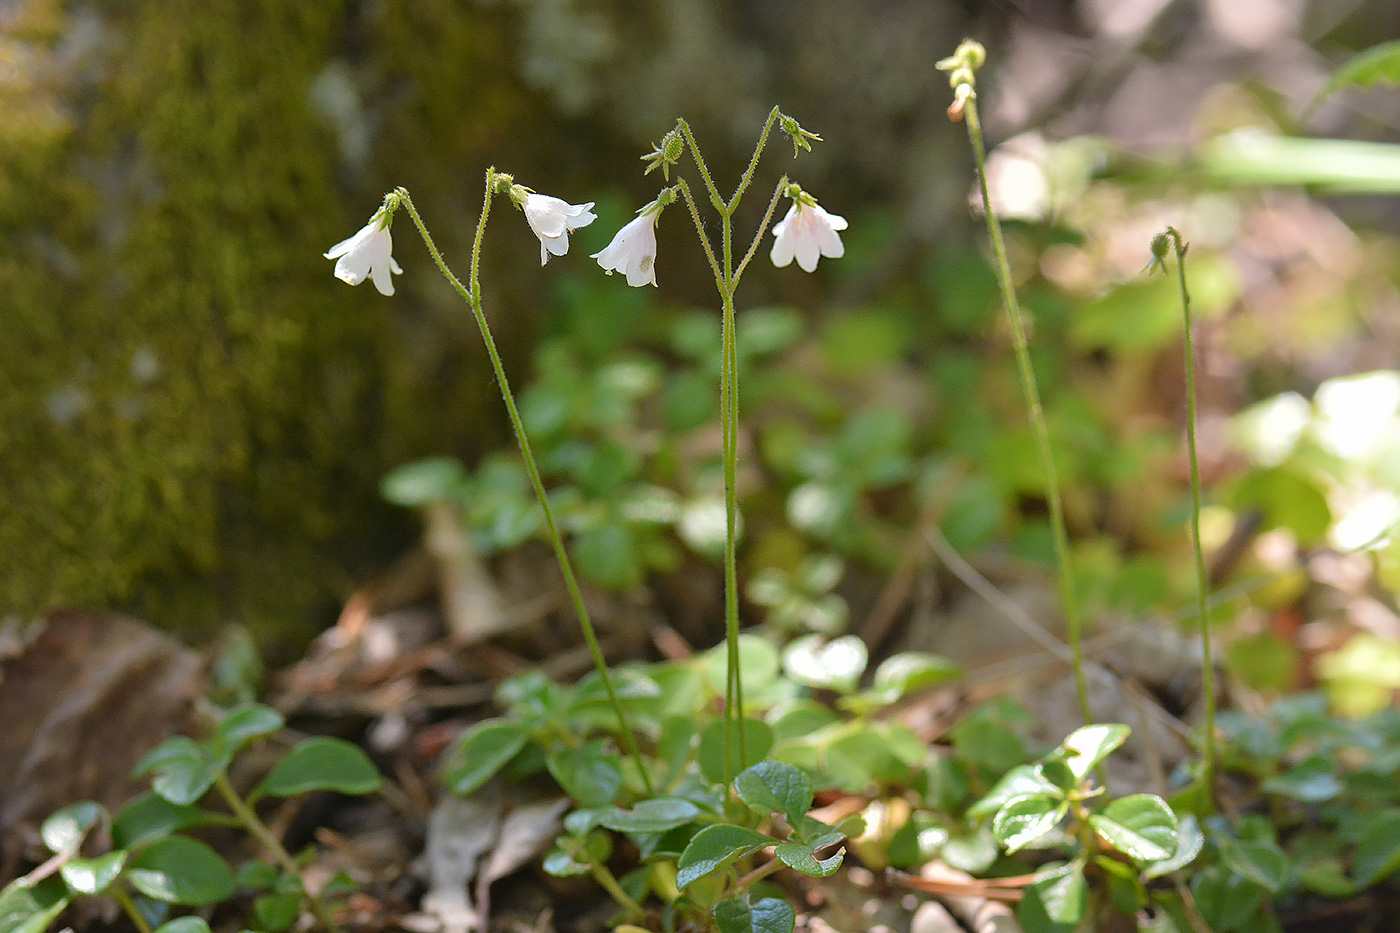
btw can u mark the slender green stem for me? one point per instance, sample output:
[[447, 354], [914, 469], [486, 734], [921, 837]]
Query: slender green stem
[[700, 164], [700, 232], [1202, 582], [758, 874], [472, 297], [123, 899], [605, 878], [271, 844], [762, 229], [753, 161], [1068, 600]]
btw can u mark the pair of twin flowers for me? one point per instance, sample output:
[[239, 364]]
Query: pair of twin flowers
[[806, 233]]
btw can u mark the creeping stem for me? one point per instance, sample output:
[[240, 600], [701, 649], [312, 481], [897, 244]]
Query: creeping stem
[[1207, 664], [1068, 599], [472, 297], [269, 842]]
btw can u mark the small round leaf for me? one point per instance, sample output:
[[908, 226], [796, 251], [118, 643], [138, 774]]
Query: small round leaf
[[323, 763]]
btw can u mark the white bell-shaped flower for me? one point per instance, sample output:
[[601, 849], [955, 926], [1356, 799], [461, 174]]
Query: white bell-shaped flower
[[807, 233], [632, 251], [553, 219], [367, 253]]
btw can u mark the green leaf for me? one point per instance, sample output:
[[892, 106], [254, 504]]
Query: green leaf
[[1188, 846], [827, 664], [276, 912], [769, 915], [775, 787], [93, 875], [482, 751], [1259, 860], [714, 847], [1380, 64], [187, 924], [180, 870], [184, 771], [803, 858], [758, 742], [1141, 826], [1018, 782], [30, 908], [906, 673], [651, 816], [1378, 851], [423, 482], [151, 816], [1254, 157], [65, 830], [1087, 746], [590, 773], [323, 763], [1055, 902], [574, 855], [245, 724], [1023, 820]]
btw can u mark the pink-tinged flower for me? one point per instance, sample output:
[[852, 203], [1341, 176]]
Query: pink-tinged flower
[[367, 253], [807, 233], [553, 219], [633, 251]]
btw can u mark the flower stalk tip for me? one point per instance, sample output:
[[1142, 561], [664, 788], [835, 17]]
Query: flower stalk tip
[[801, 139]]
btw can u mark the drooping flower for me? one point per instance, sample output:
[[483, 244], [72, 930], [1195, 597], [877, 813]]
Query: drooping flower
[[553, 219], [633, 250], [367, 253], [807, 232]]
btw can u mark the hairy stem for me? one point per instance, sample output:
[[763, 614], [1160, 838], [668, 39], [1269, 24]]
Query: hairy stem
[[1069, 601], [1202, 581], [762, 229], [753, 161], [472, 296]]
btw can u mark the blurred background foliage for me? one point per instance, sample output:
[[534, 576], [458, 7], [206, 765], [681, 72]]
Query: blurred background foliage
[[197, 417]]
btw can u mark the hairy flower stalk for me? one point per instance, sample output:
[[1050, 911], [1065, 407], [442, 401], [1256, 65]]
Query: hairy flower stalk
[[1170, 237], [804, 239], [962, 67], [549, 212]]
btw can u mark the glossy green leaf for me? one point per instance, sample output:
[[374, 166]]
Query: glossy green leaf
[[714, 847], [482, 751], [803, 858], [93, 875], [769, 915], [186, 924], [1141, 826], [323, 763], [180, 870], [775, 787], [246, 723], [30, 908], [651, 816], [184, 771], [1018, 782], [1023, 820], [151, 816], [1188, 846], [1055, 902], [65, 829], [1087, 746], [1260, 860], [590, 773]]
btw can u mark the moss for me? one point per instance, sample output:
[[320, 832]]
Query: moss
[[197, 414]]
